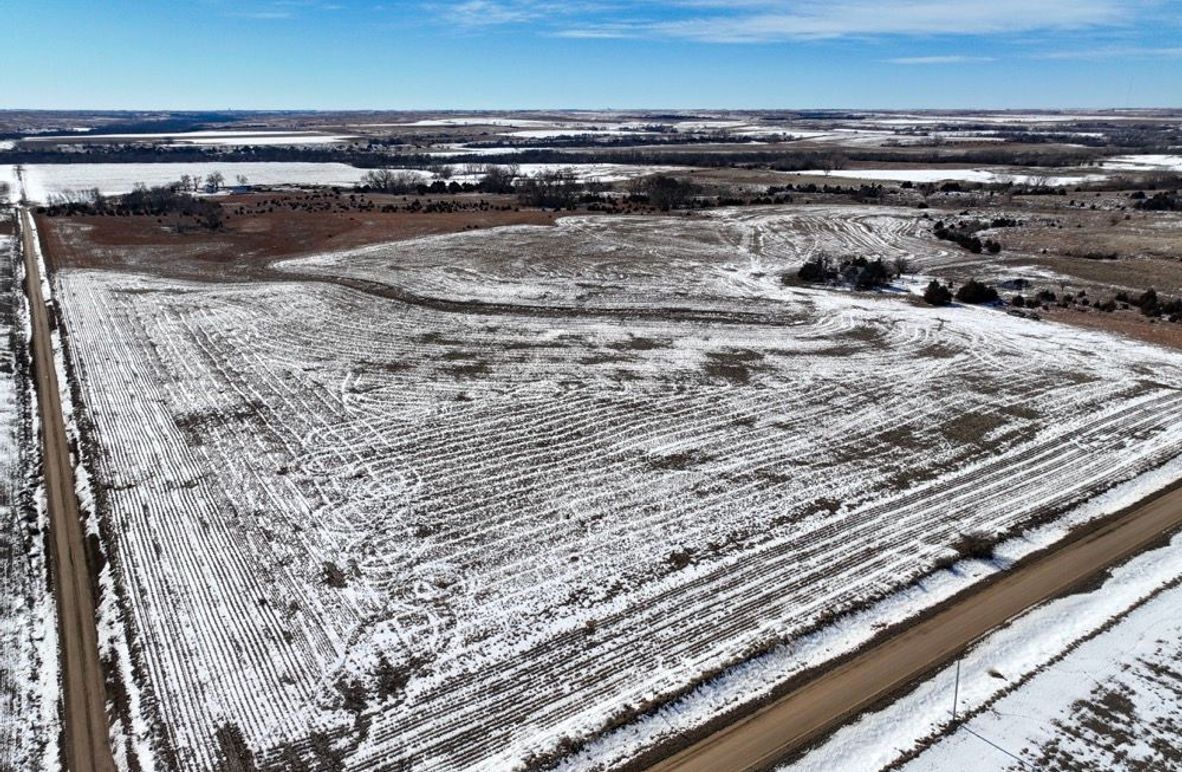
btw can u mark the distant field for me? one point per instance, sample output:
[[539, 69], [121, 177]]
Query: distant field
[[45, 180], [409, 528]]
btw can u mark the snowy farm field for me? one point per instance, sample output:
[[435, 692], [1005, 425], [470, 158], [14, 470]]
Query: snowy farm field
[[44, 180], [467, 501]]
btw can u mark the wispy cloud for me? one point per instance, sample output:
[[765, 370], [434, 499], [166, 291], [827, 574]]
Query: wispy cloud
[[262, 15], [769, 21], [1114, 52], [939, 59], [283, 9], [763, 22], [487, 13]]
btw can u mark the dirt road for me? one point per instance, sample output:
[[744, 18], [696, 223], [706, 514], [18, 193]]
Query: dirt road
[[85, 740], [821, 705]]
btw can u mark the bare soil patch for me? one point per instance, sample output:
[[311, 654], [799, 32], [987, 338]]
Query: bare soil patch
[[1128, 323], [273, 226]]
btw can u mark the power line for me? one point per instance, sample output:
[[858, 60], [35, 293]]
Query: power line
[[956, 699], [998, 747]]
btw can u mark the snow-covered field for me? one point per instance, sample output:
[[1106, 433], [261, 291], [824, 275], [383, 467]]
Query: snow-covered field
[[233, 138], [452, 539], [1145, 163], [1087, 682], [987, 176], [42, 180], [587, 132], [28, 633], [584, 172], [711, 261]]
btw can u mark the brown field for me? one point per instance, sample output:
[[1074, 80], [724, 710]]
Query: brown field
[[144, 242]]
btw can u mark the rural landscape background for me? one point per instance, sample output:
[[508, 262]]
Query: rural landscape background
[[440, 386]]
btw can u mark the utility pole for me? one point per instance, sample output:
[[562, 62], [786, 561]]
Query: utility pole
[[956, 691]]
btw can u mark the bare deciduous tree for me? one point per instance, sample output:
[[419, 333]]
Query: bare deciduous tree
[[391, 180]]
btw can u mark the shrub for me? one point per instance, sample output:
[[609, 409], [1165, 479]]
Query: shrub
[[976, 293], [814, 271], [858, 272], [937, 294], [974, 545], [1148, 301]]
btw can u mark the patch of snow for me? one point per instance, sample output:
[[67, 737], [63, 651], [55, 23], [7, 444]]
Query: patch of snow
[[987, 176], [42, 180], [214, 137], [1145, 163]]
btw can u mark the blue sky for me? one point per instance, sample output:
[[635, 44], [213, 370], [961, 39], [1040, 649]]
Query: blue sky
[[503, 54]]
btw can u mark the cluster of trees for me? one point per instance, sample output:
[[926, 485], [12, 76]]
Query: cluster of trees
[[1045, 297], [494, 179], [1153, 305], [1149, 302], [158, 201], [665, 192], [556, 189], [211, 183], [965, 237], [72, 202], [857, 272], [1160, 202], [396, 181], [976, 293], [973, 292]]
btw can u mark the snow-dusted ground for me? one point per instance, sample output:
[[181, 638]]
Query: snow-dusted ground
[[28, 632], [584, 172], [41, 180], [989, 176], [236, 138], [588, 132], [497, 531], [722, 256], [1087, 682], [896, 119], [474, 120], [1145, 163]]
